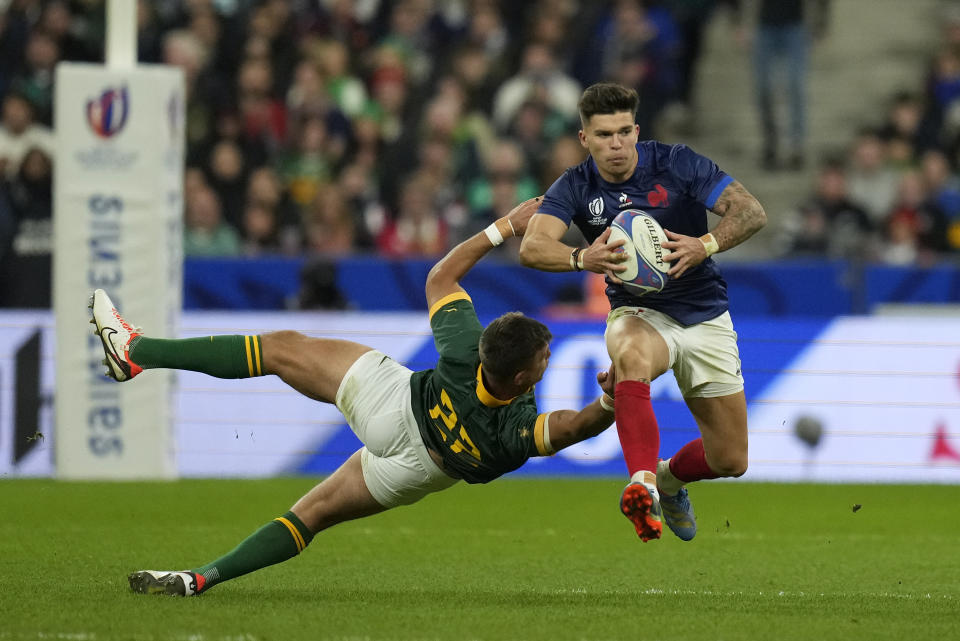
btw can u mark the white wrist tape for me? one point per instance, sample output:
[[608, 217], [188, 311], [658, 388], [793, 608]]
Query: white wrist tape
[[608, 406], [494, 234], [513, 232], [710, 244]]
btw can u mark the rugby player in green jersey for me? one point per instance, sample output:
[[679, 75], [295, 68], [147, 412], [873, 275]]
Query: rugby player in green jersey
[[473, 417]]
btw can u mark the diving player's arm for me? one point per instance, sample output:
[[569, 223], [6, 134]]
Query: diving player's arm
[[444, 277], [566, 427], [541, 249], [741, 215]]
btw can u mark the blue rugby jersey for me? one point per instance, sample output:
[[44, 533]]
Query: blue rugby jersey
[[673, 184]]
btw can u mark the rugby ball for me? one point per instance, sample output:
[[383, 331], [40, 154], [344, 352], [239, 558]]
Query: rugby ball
[[646, 270]]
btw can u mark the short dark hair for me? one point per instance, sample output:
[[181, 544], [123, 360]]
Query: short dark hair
[[509, 344], [607, 98]]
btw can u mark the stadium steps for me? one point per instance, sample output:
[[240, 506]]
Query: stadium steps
[[873, 49]]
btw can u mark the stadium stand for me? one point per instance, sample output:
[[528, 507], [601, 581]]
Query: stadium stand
[[336, 128]]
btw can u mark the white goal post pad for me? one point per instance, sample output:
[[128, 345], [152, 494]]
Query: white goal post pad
[[118, 211]]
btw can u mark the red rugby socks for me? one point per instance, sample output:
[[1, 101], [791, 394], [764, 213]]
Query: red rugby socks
[[690, 463], [637, 426]]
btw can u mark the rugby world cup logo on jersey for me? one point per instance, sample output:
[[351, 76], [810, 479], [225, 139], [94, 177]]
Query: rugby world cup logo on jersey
[[596, 209], [107, 113]]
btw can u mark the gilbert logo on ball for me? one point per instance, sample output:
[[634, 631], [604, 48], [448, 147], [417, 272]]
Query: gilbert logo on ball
[[646, 270]]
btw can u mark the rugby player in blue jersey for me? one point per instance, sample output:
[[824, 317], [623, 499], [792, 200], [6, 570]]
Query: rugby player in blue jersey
[[472, 417], [686, 327]]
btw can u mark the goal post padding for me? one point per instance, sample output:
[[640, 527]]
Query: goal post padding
[[118, 207]]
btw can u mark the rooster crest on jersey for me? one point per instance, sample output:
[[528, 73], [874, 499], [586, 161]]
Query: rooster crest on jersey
[[646, 269]]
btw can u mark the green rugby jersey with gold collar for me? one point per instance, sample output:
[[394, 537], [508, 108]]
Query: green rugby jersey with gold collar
[[478, 436]]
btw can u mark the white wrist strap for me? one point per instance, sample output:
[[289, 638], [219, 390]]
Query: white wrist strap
[[604, 404], [710, 244], [494, 234]]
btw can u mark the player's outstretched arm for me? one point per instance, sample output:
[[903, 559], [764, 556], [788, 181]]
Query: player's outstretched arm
[[541, 249], [444, 277], [570, 426]]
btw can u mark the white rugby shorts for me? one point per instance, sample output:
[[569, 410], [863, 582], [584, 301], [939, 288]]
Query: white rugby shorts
[[704, 357], [374, 397]]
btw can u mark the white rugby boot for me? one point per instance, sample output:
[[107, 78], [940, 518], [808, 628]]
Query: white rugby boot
[[183, 583], [115, 333]]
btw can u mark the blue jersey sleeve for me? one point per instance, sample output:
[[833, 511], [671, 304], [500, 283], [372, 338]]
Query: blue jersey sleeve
[[702, 178], [559, 201]]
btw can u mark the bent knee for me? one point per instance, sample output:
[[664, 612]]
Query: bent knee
[[728, 465], [636, 360], [632, 364], [282, 349]]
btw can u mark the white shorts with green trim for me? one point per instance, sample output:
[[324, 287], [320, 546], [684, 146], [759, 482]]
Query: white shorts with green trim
[[704, 357], [374, 397]]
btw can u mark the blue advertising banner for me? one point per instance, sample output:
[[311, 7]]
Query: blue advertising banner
[[578, 353], [843, 399], [793, 288]]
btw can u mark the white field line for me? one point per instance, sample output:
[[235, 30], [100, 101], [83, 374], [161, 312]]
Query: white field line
[[780, 594]]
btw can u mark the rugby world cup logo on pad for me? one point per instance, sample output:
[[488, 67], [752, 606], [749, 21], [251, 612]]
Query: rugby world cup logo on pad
[[107, 113], [646, 269]]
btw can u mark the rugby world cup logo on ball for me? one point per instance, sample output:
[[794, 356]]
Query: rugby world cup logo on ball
[[646, 269]]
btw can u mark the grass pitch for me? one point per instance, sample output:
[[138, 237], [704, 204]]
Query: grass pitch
[[518, 559]]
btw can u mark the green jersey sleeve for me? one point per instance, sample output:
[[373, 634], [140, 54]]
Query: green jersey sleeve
[[456, 329], [524, 432]]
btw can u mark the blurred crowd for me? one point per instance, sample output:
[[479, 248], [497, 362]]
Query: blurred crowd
[[893, 194], [337, 126], [328, 127]]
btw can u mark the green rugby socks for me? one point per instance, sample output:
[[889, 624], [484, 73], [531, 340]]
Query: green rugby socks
[[281, 539], [232, 356]]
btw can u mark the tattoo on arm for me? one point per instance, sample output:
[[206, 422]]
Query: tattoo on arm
[[742, 216]]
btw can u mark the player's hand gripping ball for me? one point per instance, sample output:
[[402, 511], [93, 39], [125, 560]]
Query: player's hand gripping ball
[[646, 269]]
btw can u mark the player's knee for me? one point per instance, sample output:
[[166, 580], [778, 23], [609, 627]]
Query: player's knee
[[728, 464], [282, 350], [629, 364], [633, 362]]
